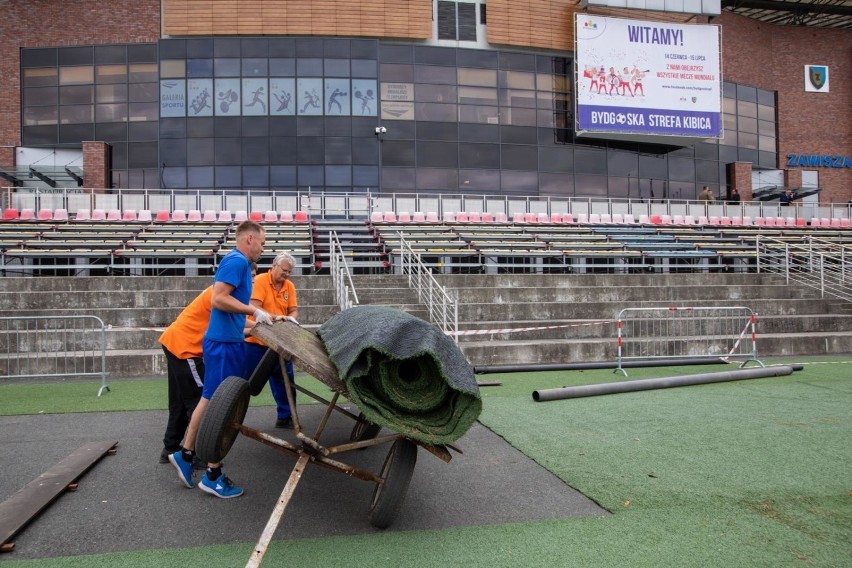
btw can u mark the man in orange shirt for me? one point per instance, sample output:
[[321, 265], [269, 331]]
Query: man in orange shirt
[[274, 293], [181, 343]]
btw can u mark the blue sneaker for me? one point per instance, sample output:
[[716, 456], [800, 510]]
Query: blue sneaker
[[184, 468], [220, 487]]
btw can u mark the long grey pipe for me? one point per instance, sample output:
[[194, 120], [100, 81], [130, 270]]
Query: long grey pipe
[[662, 382]]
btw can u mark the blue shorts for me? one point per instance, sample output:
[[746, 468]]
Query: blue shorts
[[221, 360]]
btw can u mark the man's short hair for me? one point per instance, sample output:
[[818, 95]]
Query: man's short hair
[[248, 226]]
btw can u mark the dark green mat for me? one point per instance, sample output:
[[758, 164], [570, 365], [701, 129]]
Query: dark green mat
[[403, 373]]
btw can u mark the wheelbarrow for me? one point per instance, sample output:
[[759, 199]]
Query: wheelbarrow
[[223, 422]]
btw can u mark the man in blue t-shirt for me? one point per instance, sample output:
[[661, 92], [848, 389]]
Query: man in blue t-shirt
[[224, 348]]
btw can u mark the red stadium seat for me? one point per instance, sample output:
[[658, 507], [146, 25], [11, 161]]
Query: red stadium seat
[[301, 216], [129, 215], [10, 214], [518, 217], [60, 215], [113, 215], [462, 217], [162, 216], [389, 217], [98, 215], [256, 216], [82, 215], [193, 216], [179, 215], [845, 223], [404, 217], [27, 214], [45, 214]]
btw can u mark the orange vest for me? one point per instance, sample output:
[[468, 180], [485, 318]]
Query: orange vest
[[272, 301]]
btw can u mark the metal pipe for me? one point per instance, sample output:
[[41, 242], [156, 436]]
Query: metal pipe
[[661, 383], [595, 365]]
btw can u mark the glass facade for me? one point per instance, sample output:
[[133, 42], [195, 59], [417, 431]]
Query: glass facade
[[293, 113]]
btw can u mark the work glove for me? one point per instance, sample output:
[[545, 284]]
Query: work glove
[[292, 319], [262, 317]]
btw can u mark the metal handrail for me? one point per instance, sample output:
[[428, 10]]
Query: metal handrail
[[341, 276], [813, 262], [441, 304]]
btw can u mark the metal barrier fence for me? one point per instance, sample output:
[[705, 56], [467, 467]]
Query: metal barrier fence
[[670, 333], [67, 346], [812, 262], [442, 305]]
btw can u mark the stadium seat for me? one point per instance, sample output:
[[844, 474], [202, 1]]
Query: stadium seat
[[45, 215], [389, 217], [542, 218], [594, 218], [656, 220], [760, 222], [824, 222], [488, 217], [98, 215], [815, 222], [629, 219], [746, 221], [725, 221], [60, 215], [845, 223], [462, 217], [256, 216], [286, 217], [703, 220], [835, 222], [194, 215], [144, 215], [518, 217], [606, 218], [501, 218], [582, 218], [689, 220], [418, 217], [618, 218], [27, 214], [431, 217], [113, 215], [568, 218], [780, 221], [791, 221], [713, 220], [270, 217], [644, 219], [10, 214], [225, 216], [404, 217], [801, 222], [129, 215], [474, 217], [530, 217], [82, 215], [449, 217], [209, 216], [301, 217], [240, 216], [162, 216], [678, 220], [555, 218], [665, 219], [376, 217], [769, 221], [179, 215]]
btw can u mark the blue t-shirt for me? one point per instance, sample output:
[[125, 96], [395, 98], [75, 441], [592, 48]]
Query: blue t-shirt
[[235, 269]]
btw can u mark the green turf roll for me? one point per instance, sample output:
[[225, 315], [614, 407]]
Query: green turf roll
[[403, 373]]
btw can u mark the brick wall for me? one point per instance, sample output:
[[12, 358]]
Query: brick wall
[[739, 177], [43, 23], [96, 164], [773, 57]]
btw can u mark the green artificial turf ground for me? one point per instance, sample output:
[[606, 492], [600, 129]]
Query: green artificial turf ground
[[745, 473]]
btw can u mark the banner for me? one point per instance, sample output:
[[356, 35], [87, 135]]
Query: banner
[[654, 78]]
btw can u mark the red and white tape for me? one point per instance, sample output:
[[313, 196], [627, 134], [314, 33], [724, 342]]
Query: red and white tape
[[520, 329]]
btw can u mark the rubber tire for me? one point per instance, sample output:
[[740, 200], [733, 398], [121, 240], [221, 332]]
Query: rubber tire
[[216, 434], [364, 430], [396, 471], [262, 372]]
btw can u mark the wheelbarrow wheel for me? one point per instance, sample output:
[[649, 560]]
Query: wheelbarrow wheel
[[364, 429], [396, 471], [219, 427]]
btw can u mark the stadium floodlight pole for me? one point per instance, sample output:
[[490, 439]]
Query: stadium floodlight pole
[[599, 389]]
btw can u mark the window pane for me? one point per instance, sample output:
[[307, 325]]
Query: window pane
[[255, 67], [144, 111], [477, 77], [199, 68], [433, 74], [226, 67], [144, 92], [81, 94], [436, 112], [40, 77], [766, 112], [518, 116], [309, 67], [75, 114], [767, 143], [41, 96], [365, 68], [479, 114], [477, 95], [336, 68], [514, 157], [435, 93], [517, 80], [71, 75], [143, 72], [111, 113], [112, 73], [282, 67], [397, 73], [747, 124], [111, 93], [747, 140], [172, 68], [34, 116], [516, 98], [747, 109], [338, 175]]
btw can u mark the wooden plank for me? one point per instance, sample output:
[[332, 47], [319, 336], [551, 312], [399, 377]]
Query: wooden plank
[[19, 509]]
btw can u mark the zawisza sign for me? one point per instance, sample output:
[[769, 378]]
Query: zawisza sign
[[818, 161]]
